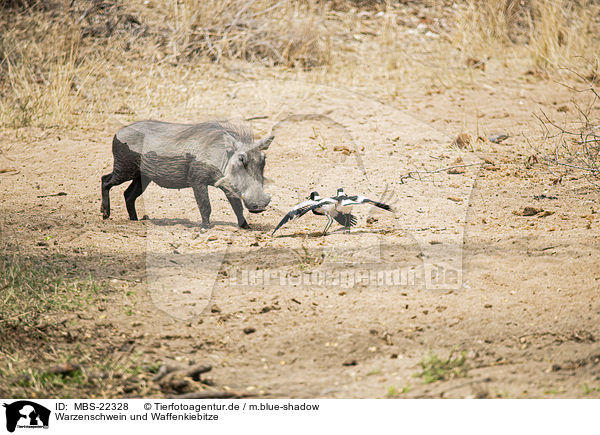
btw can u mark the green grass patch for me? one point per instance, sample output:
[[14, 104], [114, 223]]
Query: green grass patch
[[43, 381], [589, 390], [395, 392], [433, 368], [31, 288]]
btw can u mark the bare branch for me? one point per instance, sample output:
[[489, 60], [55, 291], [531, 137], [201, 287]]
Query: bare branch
[[411, 174]]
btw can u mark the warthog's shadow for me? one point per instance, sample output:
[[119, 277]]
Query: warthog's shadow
[[168, 222], [317, 234]]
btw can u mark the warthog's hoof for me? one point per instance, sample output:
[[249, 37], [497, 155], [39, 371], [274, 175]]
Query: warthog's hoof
[[105, 213], [244, 225]]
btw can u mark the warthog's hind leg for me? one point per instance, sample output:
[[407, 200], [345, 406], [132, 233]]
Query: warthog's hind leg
[[106, 185], [135, 189], [201, 194]]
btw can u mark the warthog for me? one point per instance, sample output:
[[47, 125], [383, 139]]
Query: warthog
[[176, 156]]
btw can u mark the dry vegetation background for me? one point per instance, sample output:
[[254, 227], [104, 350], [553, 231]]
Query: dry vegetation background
[[83, 68], [75, 63]]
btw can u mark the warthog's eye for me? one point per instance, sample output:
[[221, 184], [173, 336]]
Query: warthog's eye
[[242, 158]]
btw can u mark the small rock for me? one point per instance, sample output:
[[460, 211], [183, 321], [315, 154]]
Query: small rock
[[98, 376], [497, 137], [64, 369], [476, 63], [371, 220], [249, 330], [215, 309], [531, 160], [545, 213], [343, 149], [268, 308], [528, 211], [350, 362], [454, 171], [544, 196], [487, 306], [492, 168]]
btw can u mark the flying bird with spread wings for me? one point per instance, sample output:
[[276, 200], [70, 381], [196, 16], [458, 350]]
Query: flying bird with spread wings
[[335, 208]]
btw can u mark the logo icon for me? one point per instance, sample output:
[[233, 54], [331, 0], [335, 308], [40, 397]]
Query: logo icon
[[26, 414]]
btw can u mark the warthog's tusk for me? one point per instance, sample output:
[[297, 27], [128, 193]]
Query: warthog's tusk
[[225, 184]]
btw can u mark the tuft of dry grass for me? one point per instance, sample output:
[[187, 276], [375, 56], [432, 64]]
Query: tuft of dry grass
[[560, 30], [272, 32], [74, 63], [550, 32]]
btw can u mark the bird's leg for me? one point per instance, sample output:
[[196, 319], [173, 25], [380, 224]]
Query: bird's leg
[[329, 221]]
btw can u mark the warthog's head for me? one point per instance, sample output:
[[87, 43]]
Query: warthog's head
[[244, 173]]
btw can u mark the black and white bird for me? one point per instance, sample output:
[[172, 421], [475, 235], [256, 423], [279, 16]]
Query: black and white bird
[[322, 207], [344, 202]]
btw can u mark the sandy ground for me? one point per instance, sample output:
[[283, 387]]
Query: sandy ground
[[458, 270]]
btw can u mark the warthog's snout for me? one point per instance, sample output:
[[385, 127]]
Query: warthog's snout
[[255, 205]]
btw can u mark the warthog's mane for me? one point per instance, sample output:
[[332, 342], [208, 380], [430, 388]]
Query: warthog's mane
[[213, 132]]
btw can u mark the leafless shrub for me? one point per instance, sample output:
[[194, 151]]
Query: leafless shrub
[[574, 147]]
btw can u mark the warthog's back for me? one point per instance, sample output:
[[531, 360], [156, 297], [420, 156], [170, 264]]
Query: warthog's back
[[168, 139]]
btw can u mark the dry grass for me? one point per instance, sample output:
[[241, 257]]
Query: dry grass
[[75, 63], [272, 32], [80, 63], [548, 32]]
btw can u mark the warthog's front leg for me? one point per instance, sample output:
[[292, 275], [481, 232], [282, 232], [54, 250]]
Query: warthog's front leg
[[238, 208], [201, 194]]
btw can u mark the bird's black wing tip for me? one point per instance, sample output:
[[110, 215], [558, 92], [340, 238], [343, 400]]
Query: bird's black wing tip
[[382, 205]]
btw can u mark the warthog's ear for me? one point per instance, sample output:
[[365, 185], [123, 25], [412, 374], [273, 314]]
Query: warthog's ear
[[264, 143], [230, 142]]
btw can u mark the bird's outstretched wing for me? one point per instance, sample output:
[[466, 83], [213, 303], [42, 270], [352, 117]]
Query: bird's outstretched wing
[[298, 211], [378, 204], [346, 219], [353, 200]]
